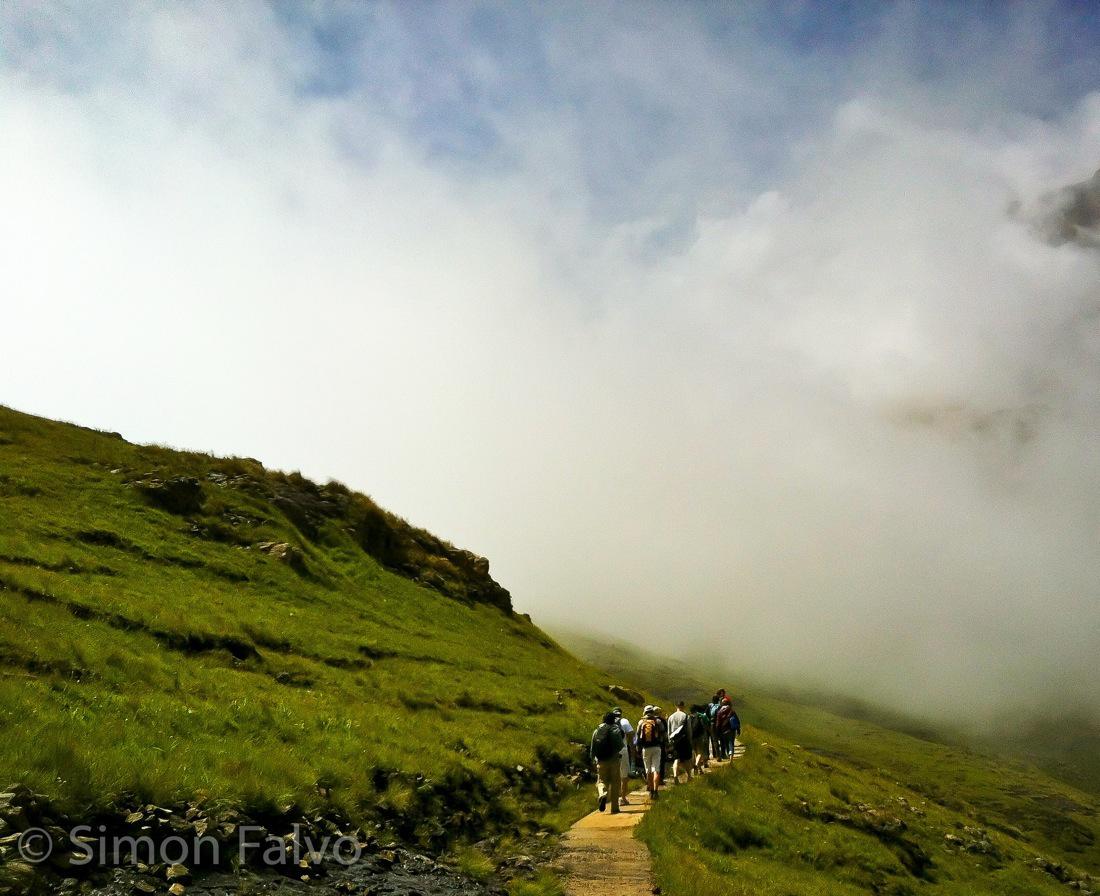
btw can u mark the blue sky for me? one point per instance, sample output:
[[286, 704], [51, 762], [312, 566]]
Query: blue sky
[[735, 83], [737, 304]]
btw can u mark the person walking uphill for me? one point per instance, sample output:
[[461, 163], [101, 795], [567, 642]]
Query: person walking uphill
[[722, 728], [627, 756], [651, 742], [712, 716], [605, 751], [700, 738], [679, 738]]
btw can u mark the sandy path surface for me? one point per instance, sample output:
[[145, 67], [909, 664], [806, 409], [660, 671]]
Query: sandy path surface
[[601, 856]]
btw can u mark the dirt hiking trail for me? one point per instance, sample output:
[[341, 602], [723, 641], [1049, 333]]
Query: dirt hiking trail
[[600, 855]]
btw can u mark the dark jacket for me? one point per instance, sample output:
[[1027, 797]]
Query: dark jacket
[[721, 721]]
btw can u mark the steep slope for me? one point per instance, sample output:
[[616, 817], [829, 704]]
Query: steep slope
[[824, 804], [175, 625]]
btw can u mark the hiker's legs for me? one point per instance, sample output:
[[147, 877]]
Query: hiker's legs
[[624, 775], [651, 757], [675, 758], [614, 786], [601, 786], [607, 781]]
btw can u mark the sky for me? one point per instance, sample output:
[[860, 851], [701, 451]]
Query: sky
[[715, 327]]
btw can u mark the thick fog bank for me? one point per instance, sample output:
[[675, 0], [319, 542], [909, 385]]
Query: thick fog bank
[[709, 327]]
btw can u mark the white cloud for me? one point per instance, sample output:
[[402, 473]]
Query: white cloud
[[835, 412]]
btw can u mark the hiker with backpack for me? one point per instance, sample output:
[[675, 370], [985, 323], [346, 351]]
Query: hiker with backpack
[[626, 757], [700, 738], [605, 751], [722, 728], [663, 722], [651, 738], [712, 716], [679, 739], [734, 729]]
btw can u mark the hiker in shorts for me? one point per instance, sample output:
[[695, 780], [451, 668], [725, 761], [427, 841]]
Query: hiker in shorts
[[679, 739], [660, 714], [651, 745], [627, 755], [605, 751]]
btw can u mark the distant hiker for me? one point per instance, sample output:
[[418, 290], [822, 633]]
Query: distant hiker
[[722, 728], [735, 729], [712, 716], [627, 756], [700, 738], [605, 751], [663, 722], [650, 743], [679, 739]]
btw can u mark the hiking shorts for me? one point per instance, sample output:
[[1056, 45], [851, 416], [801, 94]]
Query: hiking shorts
[[651, 757], [624, 760]]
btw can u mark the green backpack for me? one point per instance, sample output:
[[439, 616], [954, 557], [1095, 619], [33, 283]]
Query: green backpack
[[607, 743]]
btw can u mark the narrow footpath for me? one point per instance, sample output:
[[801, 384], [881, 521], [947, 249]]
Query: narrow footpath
[[601, 856]]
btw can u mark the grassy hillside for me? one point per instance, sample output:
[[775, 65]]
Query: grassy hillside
[[823, 804], [1066, 745], [178, 626], [175, 625]]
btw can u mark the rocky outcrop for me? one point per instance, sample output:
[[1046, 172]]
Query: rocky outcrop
[[284, 553], [180, 494], [311, 509], [388, 538], [626, 695]]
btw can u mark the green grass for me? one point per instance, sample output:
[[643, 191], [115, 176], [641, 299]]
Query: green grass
[[823, 804], [164, 656], [155, 656]]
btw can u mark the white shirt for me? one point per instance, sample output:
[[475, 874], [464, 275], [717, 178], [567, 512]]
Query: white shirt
[[628, 732], [676, 722]]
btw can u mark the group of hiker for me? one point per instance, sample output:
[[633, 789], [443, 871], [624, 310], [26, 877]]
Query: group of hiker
[[687, 739]]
